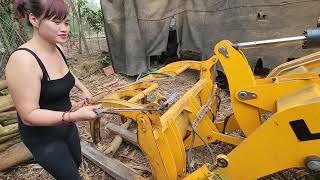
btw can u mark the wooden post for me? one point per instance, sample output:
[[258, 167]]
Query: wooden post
[[114, 168]]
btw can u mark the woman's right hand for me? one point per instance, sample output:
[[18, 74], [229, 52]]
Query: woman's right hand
[[85, 113]]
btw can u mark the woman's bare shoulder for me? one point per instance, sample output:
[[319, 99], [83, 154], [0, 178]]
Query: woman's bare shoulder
[[24, 62], [22, 58]]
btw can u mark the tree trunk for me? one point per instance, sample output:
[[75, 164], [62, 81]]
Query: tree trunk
[[3, 85], [6, 103], [13, 156], [69, 42], [79, 19], [98, 41], [82, 35]]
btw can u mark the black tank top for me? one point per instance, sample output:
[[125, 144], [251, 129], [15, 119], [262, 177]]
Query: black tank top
[[54, 95]]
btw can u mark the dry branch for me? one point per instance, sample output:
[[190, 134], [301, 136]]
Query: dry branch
[[116, 142], [114, 168]]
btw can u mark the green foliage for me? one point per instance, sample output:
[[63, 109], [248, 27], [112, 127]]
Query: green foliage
[[104, 61], [94, 19]]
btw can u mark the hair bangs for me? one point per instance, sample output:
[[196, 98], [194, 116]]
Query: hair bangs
[[56, 10]]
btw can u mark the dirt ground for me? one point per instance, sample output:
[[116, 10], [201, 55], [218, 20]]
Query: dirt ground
[[130, 155]]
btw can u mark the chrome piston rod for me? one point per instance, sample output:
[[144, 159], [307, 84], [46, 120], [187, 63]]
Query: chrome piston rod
[[310, 39], [271, 43]]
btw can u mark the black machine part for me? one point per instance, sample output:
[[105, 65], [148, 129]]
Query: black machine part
[[312, 38]]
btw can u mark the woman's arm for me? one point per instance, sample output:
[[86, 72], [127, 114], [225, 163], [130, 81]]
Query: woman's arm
[[87, 96], [79, 85], [23, 76]]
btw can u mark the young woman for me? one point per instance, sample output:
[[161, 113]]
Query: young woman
[[39, 82]]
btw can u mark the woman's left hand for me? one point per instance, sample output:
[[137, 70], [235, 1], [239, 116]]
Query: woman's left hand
[[87, 96]]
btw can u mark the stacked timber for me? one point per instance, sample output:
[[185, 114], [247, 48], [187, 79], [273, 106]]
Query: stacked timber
[[12, 150]]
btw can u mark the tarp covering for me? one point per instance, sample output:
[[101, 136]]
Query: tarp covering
[[138, 29]]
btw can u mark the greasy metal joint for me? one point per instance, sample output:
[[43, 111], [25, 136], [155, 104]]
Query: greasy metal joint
[[312, 163], [245, 95], [222, 163], [143, 124], [223, 50]]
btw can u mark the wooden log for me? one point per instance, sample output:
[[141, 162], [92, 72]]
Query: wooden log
[[113, 167], [8, 137], [3, 85], [116, 142], [6, 103], [124, 133], [14, 155], [9, 143], [9, 122], [4, 116], [7, 130]]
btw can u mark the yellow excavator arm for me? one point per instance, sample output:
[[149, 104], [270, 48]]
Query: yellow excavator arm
[[290, 138]]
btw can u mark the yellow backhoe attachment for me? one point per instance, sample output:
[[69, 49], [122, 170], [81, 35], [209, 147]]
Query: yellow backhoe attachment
[[290, 138]]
